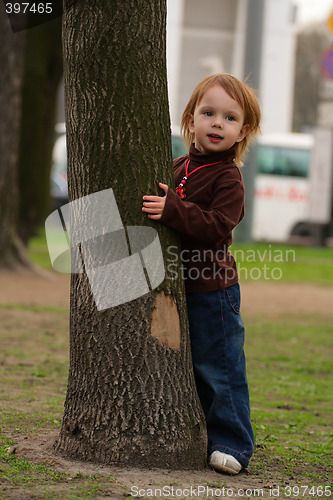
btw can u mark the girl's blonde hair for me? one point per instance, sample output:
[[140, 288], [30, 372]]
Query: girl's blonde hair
[[237, 90]]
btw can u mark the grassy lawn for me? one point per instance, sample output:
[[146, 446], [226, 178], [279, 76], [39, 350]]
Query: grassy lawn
[[255, 261], [290, 377], [289, 359], [38, 251], [292, 264], [291, 383]]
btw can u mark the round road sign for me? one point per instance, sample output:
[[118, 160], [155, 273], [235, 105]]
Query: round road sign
[[327, 63]]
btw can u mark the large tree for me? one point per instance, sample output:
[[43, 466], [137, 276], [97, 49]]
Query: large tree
[[31, 62], [131, 396], [12, 252]]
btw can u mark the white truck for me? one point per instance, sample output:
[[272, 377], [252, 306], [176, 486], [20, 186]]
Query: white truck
[[293, 188]]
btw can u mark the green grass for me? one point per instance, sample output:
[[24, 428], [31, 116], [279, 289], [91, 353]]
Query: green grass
[[255, 261], [15, 469], [291, 383], [30, 307], [38, 251], [293, 264], [289, 360], [41, 478]]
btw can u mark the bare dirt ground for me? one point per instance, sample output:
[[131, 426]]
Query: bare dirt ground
[[53, 290]]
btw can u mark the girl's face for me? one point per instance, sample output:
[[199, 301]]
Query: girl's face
[[217, 122]]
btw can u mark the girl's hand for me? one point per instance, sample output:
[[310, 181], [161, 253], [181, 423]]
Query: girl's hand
[[154, 205]]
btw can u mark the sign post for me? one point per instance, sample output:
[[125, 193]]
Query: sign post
[[325, 105], [321, 177], [330, 23]]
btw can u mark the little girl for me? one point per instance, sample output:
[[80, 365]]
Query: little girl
[[220, 119]]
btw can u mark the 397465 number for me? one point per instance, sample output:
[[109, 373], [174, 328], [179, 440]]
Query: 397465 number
[[310, 491], [25, 7]]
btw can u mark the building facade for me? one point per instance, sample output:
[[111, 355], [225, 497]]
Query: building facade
[[211, 36]]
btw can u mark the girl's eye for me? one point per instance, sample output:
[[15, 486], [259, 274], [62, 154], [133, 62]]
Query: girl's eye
[[208, 113], [230, 118]]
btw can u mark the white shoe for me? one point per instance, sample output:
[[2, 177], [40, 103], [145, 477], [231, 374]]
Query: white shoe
[[224, 463]]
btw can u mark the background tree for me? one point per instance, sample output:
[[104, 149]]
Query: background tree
[[131, 397], [41, 76], [311, 41], [31, 71], [12, 251]]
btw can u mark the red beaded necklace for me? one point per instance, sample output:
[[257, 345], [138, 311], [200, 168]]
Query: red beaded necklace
[[180, 190]]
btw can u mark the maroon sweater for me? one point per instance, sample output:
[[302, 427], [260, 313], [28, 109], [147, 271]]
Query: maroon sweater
[[213, 206]]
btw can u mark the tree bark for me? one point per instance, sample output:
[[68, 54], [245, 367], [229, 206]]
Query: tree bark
[[131, 396], [12, 251], [41, 77]]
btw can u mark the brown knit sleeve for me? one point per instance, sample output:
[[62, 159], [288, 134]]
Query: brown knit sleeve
[[207, 226]]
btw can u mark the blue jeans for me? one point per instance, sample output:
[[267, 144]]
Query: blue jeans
[[217, 342]]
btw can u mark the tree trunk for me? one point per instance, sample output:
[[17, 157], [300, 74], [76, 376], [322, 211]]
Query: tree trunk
[[131, 396], [12, 252], [42, 74]]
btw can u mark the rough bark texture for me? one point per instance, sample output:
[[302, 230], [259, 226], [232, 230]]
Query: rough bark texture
[[12, 251], [41, 76], [131, 395]]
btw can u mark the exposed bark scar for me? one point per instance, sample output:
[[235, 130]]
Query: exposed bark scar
[[165, 324]]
